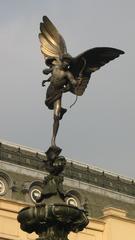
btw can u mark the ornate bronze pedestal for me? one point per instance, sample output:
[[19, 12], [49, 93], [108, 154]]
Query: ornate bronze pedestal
[[56, 212]]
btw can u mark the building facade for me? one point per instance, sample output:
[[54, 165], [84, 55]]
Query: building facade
[[110, 198]]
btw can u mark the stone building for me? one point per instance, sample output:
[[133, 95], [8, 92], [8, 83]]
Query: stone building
[[110, 198]]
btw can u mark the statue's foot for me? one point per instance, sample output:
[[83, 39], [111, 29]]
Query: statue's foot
[[62, 112]]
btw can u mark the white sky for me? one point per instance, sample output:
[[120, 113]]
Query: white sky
[[100, 128]]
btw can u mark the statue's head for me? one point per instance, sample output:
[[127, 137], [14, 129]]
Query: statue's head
[[63, 61], [66, 60]]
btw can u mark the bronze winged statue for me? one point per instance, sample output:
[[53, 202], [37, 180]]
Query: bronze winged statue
[[68, 74]]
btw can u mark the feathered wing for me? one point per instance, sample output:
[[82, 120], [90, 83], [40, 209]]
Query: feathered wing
[[52, 43], [90, 61]]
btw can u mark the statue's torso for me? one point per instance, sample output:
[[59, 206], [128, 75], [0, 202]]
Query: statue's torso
[[58, 77]]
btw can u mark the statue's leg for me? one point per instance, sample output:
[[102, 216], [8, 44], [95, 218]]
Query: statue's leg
[[57, 112]]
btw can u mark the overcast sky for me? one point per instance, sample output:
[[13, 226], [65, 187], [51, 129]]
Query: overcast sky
[[100, 129]]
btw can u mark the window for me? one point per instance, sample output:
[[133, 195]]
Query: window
[[2, 187], [72, 201], [35, 194]]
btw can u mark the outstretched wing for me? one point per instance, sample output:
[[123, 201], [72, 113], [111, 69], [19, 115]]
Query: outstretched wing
[[90, 61], [52, 43]]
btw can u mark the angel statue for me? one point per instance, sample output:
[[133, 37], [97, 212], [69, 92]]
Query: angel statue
[[68, 74]]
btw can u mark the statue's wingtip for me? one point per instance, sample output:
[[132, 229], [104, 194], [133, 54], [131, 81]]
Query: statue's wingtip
[[122, 52], [45, 18]]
